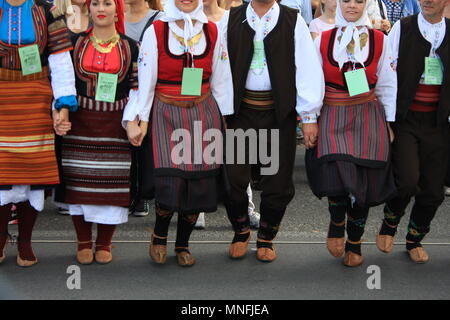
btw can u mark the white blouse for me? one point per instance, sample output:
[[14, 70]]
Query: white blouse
[[386, 87], [220, 82], [309, 78], [318, 26]]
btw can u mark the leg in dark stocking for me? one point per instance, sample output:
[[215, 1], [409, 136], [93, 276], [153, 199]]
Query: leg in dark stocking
[[27, 218], [158, 243], [388, 229], [185, 225], [103, 245], [5, 216], [83, 230], [336, 231], [356, 222]]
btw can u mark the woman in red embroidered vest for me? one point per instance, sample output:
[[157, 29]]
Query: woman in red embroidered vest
[[96, 155], [34, 44], [351, 164], [186, 181]]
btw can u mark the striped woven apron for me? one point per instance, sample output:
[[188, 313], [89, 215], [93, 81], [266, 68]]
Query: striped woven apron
[[27, 151]]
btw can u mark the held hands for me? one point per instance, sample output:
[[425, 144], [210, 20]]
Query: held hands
[[61, 122], [391, 132], [310, 132], [385, 25], [136, 132]]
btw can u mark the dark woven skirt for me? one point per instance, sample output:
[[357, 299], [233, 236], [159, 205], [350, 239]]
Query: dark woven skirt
[[185, 187], [352, 156]]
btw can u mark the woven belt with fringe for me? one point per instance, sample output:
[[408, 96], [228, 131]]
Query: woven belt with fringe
[[258, 100], [341, 98], [16, 75], [183, 104]]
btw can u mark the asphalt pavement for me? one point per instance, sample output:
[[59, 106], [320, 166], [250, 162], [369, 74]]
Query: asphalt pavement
[[303, 270]]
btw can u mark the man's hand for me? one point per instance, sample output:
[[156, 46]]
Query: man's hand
[[143, 125], [134, 133], [310, 132], [391, 132]]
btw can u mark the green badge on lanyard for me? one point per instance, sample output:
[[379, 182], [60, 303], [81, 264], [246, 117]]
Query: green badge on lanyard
[[191, 84], [106, 87], [356, 82], [30, 59], [433, 71], [258, 55]]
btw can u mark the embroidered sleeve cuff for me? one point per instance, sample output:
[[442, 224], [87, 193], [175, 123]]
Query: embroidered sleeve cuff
[[308, 117], [69, 102]]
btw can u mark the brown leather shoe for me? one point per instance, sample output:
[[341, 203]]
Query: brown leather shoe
[[85, 255], [239, 249], [25, 263], [185, 258], [103, 256], [352, 259], [418, 255], [385, 243], [266, 254], [158, 252], [336, 246]]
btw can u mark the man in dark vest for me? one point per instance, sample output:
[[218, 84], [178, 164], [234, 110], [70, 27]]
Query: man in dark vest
[[276, 74], [421, 43]]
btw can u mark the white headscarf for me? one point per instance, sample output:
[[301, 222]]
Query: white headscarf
[[172, 14], [351, 32]]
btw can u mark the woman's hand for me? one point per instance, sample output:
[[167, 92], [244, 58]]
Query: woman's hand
[[311, 133], [134, 133], [391, 132], [61, 122], [385, 25]]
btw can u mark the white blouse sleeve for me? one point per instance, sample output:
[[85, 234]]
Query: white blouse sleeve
[[309, 74], [62, 75], [386, 87], [141, 101], [221, 81], [394, 42]]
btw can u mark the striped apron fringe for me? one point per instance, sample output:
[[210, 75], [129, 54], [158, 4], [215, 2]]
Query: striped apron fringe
[[352, 157], [96, 155], [27, 151], [353, 129], [186, 181]]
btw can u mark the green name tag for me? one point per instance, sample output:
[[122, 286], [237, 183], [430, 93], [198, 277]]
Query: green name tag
[[191, 84], [356, 82], [258, 55], [433, 71], [106, 87], [30, 59]]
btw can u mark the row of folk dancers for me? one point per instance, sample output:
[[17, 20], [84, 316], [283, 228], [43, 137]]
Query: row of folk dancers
[[375, 120]]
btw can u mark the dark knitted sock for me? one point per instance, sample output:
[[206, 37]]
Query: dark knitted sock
[[387, 230], [105, 234], [83, 230], [240, 237], [263, 244], [415, 235], [355, 248], [337, 206], [27, 218], [162, 222], [356, 223], [185, 226], [391, 217], [413, 245]]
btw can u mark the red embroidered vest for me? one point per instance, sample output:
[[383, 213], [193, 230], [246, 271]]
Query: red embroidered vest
[[333, 76], [170, 66]]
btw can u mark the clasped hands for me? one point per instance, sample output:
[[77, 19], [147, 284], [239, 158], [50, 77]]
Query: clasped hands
[[61, 122], [136, 131]]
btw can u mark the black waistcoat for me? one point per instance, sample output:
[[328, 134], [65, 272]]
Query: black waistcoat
[[279, 48], [411, 63]]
